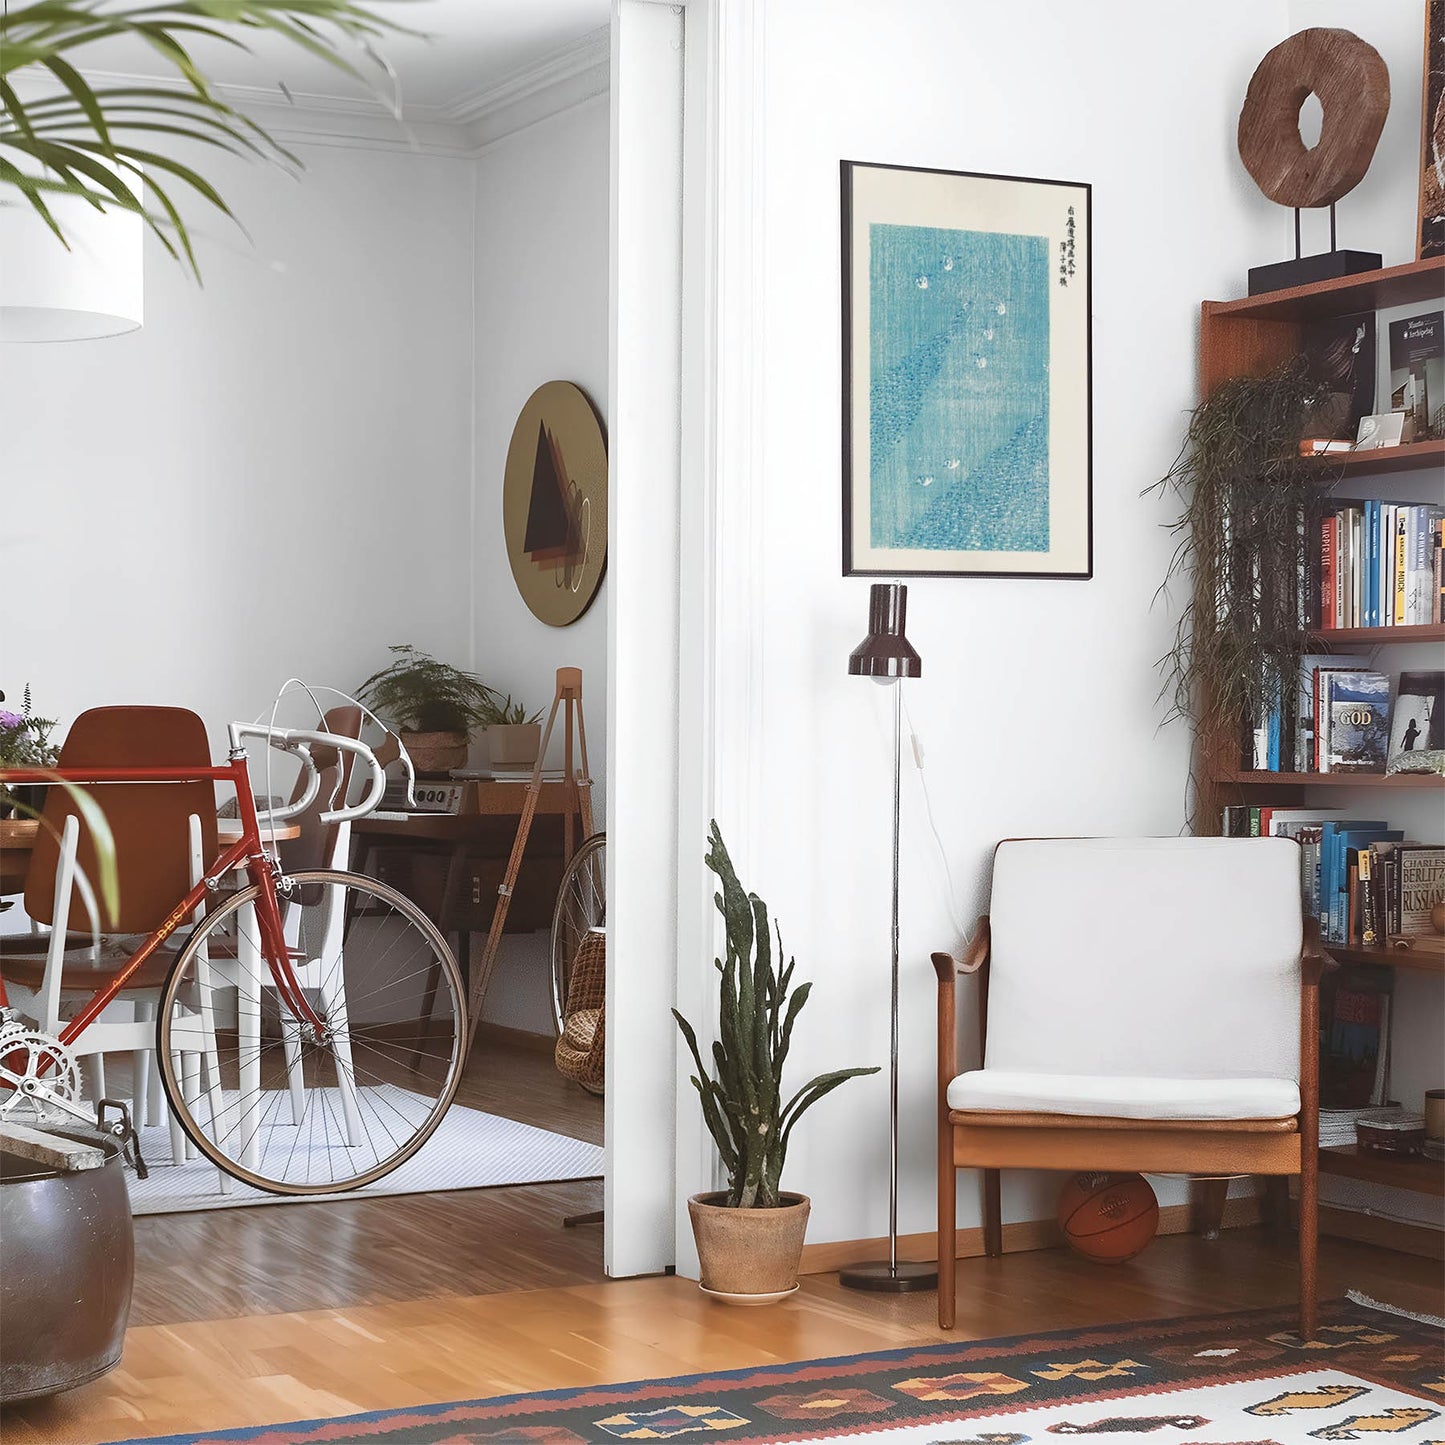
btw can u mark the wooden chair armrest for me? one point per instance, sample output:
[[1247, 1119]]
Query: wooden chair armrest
[[974, 958]]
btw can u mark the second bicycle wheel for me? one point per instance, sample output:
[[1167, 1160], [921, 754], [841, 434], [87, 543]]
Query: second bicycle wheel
[[581, 905], [279, 1104]]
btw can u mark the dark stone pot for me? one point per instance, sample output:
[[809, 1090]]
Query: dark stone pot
[[67, 1260]]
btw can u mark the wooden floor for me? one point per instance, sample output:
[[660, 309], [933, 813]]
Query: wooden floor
[[266, 1369], [225, 1263], [256, 1316]]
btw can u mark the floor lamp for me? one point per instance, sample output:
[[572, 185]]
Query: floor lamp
[[887, 657]]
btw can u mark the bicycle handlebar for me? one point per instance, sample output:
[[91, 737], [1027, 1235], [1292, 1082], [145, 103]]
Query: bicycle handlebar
[[300, 741]]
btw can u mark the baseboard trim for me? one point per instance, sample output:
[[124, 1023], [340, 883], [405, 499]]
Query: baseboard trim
[[1021, 1235]]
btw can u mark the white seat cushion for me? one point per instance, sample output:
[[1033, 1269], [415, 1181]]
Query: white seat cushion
[[1117, 1097]]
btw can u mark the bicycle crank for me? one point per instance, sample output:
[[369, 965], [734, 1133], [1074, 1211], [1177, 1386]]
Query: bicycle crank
[[37, 1073]]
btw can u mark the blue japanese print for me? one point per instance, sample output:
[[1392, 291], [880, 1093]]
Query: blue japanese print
[[959, 394]]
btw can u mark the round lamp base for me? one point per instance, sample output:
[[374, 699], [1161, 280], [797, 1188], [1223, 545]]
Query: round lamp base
[[882, 1278]]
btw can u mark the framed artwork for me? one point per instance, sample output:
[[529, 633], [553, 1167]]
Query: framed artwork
[[554, 503], [1432, 134], [967, 431]]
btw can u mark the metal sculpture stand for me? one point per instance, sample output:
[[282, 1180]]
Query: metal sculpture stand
[[577, 780]]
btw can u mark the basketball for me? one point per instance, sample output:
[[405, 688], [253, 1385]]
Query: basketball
[[1108, 1217]]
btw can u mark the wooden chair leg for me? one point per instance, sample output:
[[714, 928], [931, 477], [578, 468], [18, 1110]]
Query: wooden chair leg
[[947, 1223], [1206, 1198], [1308, 1245], [1276, 1205], [992, 1214]]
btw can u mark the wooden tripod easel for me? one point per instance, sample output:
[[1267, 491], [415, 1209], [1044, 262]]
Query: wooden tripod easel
[[578, 784]]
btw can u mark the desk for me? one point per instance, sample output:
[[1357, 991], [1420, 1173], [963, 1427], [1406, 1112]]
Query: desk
[[18, 835], [451, 864]]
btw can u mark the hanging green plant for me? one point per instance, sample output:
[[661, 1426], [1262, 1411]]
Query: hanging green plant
[[1247, 493]]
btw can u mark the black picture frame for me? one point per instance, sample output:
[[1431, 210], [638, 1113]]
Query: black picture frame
[[1007, 468]]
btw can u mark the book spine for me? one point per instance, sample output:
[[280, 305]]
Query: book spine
[[1372, 568], [1327, 573], [1369, 933], [1385, 601], [1341, 552], [1437, 603], [1398, 604], [1322, 722]]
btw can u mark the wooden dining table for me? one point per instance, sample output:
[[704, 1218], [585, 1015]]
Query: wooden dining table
[[18, 835]]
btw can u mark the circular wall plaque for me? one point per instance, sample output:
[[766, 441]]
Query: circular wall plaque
[[1353, 86], [554, 503]]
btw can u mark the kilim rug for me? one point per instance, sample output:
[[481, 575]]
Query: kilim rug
[[1237, 1379]]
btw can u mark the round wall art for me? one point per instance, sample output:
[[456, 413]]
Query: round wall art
[[554, 503]]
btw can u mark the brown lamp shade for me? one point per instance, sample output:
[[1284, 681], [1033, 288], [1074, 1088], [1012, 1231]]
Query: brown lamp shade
[[886, 651]]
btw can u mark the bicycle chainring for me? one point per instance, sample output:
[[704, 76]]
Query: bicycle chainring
[[28, 1054]]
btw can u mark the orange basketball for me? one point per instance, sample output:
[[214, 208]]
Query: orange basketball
[[1108, 1217]]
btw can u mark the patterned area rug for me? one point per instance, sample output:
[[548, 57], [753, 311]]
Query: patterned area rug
[[1238, 1379]]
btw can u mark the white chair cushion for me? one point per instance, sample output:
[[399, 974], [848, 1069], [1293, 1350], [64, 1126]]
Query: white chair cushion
[[1109, 1096], [1149, 957]]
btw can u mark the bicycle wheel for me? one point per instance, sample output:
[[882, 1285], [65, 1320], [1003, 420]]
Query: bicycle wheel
[[274, 1102], [581, 904]]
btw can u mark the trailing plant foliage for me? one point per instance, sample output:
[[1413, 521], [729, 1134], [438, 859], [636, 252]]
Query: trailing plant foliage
[[418, 692], [742, 1101], [1242, 537], [97, 142]]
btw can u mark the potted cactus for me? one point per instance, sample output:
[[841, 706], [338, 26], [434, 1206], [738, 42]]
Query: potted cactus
[[750, 1236]]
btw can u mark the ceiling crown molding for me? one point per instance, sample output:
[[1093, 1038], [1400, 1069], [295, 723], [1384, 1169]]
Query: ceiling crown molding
[[565, 78], [560, 82]]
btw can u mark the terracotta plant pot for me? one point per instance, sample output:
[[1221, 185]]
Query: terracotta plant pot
[[749, 1256], [434, 755], [513, 745]]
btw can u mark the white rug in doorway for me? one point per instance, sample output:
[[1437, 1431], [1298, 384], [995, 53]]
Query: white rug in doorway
[[470, 1150]]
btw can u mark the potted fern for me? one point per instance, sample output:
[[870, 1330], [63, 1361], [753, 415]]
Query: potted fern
[[750, 1235], [434, 704]]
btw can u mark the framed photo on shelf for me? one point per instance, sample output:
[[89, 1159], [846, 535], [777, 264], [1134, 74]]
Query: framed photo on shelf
[[967, 427]]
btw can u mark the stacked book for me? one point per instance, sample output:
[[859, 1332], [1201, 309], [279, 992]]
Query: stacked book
[[1337, 1126], [1376, 564]]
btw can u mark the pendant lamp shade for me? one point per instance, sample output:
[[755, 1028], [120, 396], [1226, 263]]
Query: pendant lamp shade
[[49, 293]]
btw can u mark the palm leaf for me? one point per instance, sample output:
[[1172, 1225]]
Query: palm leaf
[[65, 135]]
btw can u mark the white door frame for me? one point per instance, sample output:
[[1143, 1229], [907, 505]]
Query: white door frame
[[685, 597]]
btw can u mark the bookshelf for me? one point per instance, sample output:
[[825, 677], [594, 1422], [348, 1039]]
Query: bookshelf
[[1253, 336]]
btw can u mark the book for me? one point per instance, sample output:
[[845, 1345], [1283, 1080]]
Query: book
[[1355, 714], [1305, 760], [1419, 884], [1420, 587], [1417, 720], [1417, 368], [1340, 354], [1355, 1038]]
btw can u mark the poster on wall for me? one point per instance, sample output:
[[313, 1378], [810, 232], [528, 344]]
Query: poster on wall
[[1432, 139], [966, 374]]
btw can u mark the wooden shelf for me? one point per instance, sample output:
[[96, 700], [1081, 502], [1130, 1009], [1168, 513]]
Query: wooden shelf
[[1374, 636], [1415, 1172], [1409, 457], [1417, 281], [1331, 780], [1421, 962]]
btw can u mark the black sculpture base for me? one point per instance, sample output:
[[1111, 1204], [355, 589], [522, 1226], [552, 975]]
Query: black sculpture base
[[882, 1278], [1306, 270]]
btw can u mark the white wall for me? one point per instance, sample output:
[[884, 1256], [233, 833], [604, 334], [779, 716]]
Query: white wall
[[303, 421], [541, 281], [1037, 707]]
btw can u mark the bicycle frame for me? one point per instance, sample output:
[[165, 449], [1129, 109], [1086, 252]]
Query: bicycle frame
[[248, 850]]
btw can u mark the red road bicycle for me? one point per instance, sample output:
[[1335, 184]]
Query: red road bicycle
[[311, 1028]]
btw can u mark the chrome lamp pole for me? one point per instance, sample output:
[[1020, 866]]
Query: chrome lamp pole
[[887, 657]]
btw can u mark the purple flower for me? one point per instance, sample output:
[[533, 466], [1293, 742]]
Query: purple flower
[[11, 719]]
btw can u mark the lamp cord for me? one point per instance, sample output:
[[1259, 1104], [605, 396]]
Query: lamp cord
[[955, 914]]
